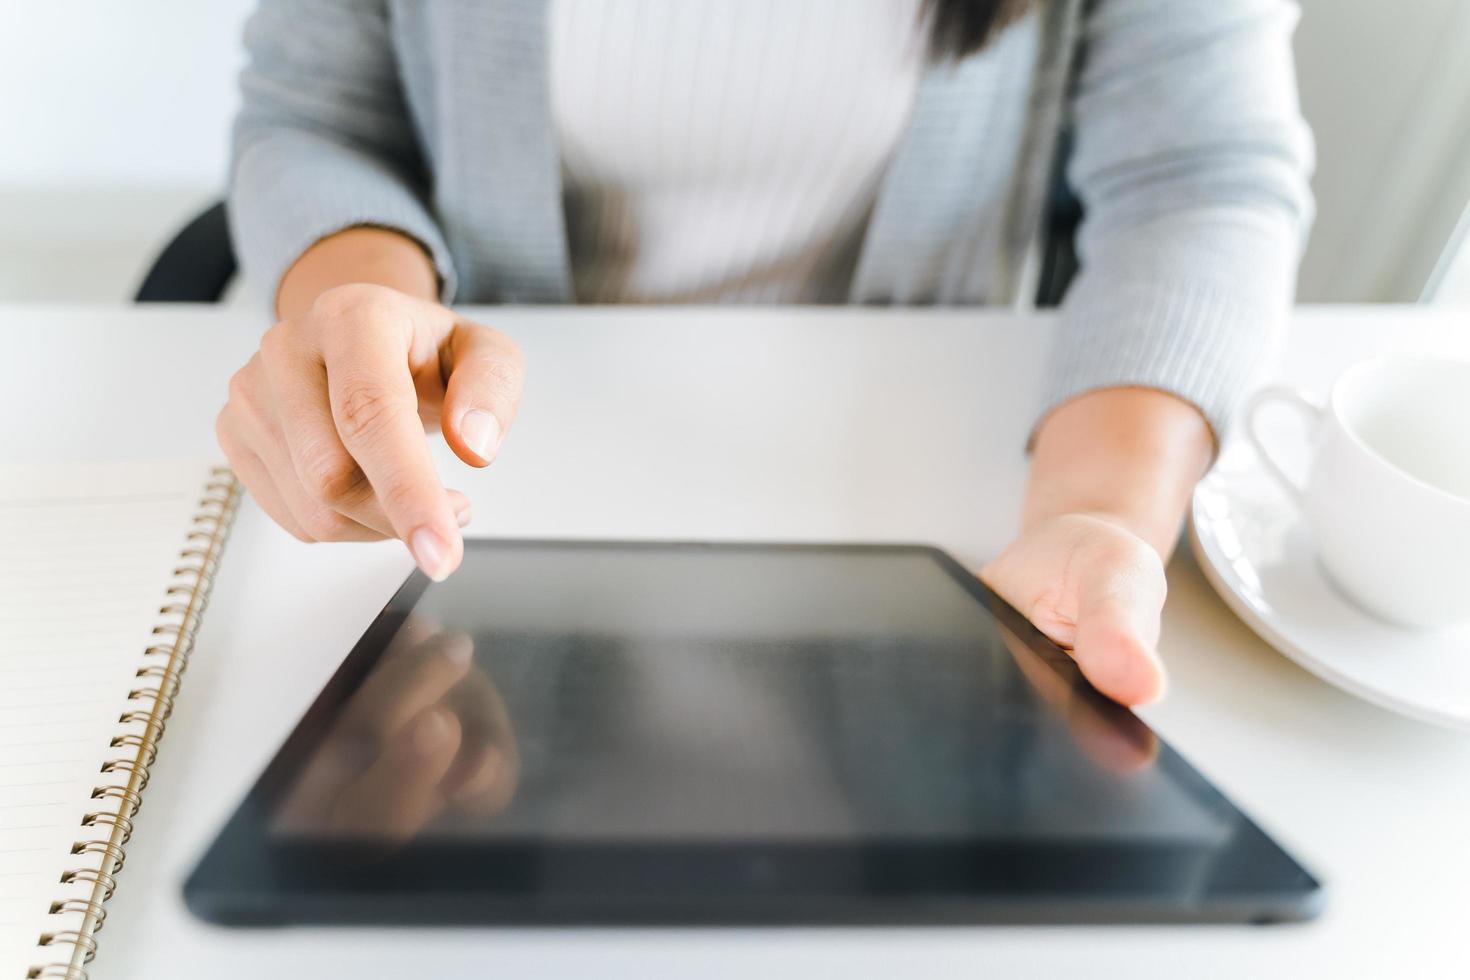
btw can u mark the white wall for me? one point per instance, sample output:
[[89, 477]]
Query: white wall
[[109, 92], [114, 120], [1386, 87]]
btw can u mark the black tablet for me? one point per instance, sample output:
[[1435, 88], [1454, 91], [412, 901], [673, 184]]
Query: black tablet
[[599, 732]]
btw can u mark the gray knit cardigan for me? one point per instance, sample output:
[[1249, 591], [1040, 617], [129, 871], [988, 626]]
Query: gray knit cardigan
[[1189, 154]]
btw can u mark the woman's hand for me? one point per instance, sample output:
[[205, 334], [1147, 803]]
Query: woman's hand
[[326, 423], [1111, 474], [1095, 588], [1109, 735]]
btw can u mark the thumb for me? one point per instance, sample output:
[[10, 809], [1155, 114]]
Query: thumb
[[1118, 613], [485, 376]]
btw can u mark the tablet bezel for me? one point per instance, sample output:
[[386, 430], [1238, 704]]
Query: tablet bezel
[[249, 877]]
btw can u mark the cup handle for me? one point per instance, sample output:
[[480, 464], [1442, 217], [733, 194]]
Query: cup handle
[[1304, 406]]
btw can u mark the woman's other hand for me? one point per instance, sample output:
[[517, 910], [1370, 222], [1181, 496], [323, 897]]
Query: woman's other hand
[[1111, 474], [1095, 588], [325, 425]]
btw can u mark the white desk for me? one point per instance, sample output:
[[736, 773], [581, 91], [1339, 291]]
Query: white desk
[[837, 425]]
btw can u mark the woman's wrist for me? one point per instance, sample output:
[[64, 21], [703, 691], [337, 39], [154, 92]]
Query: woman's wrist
[[1127, 455], [363, 254]]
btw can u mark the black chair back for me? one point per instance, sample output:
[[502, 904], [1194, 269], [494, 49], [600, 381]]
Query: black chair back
[[1059, 244], [196, 266]]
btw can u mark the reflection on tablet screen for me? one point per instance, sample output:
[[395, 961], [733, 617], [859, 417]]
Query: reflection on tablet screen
[[685, 695]]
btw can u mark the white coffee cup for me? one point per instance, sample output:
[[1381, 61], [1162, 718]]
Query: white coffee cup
[[1387, 496]]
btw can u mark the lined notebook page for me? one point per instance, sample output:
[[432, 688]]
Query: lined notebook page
[[87, 553]]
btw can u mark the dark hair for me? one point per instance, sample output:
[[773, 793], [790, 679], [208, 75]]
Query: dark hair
[[962, 27]]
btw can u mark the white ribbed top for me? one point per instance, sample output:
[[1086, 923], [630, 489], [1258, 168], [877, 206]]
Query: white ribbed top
[[726, 150]]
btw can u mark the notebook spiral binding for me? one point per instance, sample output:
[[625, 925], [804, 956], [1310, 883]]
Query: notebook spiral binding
[[80, 916]]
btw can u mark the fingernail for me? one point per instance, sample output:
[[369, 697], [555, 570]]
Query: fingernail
[[431, 552], [432, 732], [462, 516], [481, 432]]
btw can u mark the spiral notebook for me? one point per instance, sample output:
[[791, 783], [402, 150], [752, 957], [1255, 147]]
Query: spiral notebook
[[105, 570]]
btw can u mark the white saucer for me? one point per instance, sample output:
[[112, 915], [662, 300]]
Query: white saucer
[[1258, 555]]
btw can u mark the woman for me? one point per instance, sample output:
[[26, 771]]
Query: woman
[[392, 156]]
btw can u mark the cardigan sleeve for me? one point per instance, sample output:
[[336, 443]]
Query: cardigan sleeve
[[323, 140], [1192, 162]]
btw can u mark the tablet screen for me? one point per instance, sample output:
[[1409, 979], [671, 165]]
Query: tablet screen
[[701, 694], [556, 708]]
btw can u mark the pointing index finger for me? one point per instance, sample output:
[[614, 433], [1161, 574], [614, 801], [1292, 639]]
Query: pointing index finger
[[375, 408]]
